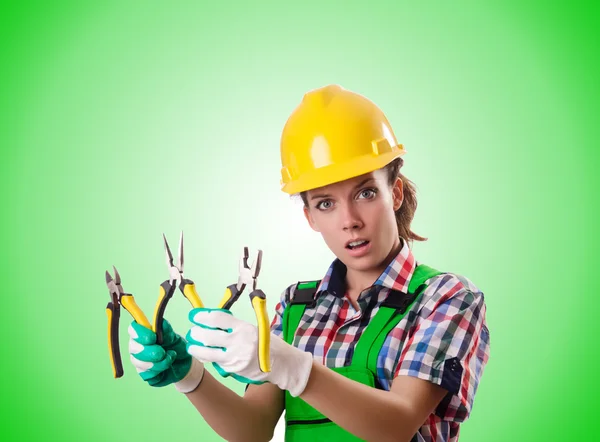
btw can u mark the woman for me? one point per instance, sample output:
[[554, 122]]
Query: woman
[[381, 349]]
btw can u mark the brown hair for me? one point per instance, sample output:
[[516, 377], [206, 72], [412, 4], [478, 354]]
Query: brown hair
[[406, 212]]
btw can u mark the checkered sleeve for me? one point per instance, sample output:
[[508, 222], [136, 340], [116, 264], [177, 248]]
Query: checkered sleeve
[[449, 345], [277, 322]]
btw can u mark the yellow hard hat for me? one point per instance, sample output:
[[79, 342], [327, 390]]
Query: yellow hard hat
[[333, 135]]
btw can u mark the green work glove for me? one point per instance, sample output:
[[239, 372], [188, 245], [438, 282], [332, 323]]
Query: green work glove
[[161, 365]]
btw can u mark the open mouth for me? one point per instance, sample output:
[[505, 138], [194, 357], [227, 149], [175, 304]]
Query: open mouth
[[355, 245]]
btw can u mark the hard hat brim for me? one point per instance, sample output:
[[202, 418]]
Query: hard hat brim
[[334, 173]]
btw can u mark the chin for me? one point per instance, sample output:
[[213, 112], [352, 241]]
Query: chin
[[362, 264]]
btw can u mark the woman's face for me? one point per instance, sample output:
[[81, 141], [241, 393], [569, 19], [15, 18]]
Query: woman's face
[[356, 218]]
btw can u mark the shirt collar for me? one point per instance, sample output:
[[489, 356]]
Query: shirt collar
[[395, 277]]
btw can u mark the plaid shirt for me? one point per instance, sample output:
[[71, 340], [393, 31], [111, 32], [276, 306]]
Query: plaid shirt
[[443, 338]]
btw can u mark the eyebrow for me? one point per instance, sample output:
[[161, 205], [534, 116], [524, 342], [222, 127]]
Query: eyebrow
[[326, 195]]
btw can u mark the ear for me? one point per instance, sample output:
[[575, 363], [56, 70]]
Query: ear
[[309, 218], [397, 194]]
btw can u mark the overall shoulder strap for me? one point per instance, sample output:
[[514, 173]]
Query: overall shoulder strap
[[421, 274], [388, 316], [303, 296]]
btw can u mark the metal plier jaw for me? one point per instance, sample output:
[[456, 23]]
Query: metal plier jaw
[[113, 312], [247, 275], [167, 288]]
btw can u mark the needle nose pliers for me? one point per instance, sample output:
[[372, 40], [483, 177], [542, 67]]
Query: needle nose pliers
[[167, 288]]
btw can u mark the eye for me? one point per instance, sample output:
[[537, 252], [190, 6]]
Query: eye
[[368, 194], [324, 205]]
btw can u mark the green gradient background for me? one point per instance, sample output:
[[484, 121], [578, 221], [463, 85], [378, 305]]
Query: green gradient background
[[120, 123]]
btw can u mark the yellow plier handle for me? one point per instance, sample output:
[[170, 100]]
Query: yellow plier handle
[[113, 314], [188, 288], [166, 291], [230, 297], [259, 304], [128, 302]]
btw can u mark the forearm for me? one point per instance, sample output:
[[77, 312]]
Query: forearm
[[232, 417], [369, 413]]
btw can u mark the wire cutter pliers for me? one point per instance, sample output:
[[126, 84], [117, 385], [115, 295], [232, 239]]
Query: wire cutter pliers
[[167, 289], [113, 312], [247, 277]]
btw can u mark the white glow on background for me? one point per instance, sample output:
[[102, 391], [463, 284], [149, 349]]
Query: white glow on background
[[279, 434]]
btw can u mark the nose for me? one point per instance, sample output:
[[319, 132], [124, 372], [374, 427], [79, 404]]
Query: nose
[[350, 218]]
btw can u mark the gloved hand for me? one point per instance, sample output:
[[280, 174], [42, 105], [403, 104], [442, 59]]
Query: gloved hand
[[232, 344], [165, 364]]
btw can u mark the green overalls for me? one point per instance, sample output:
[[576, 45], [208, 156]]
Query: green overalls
[[303, 422]]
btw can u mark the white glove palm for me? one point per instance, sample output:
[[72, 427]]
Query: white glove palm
[[232, 344]]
